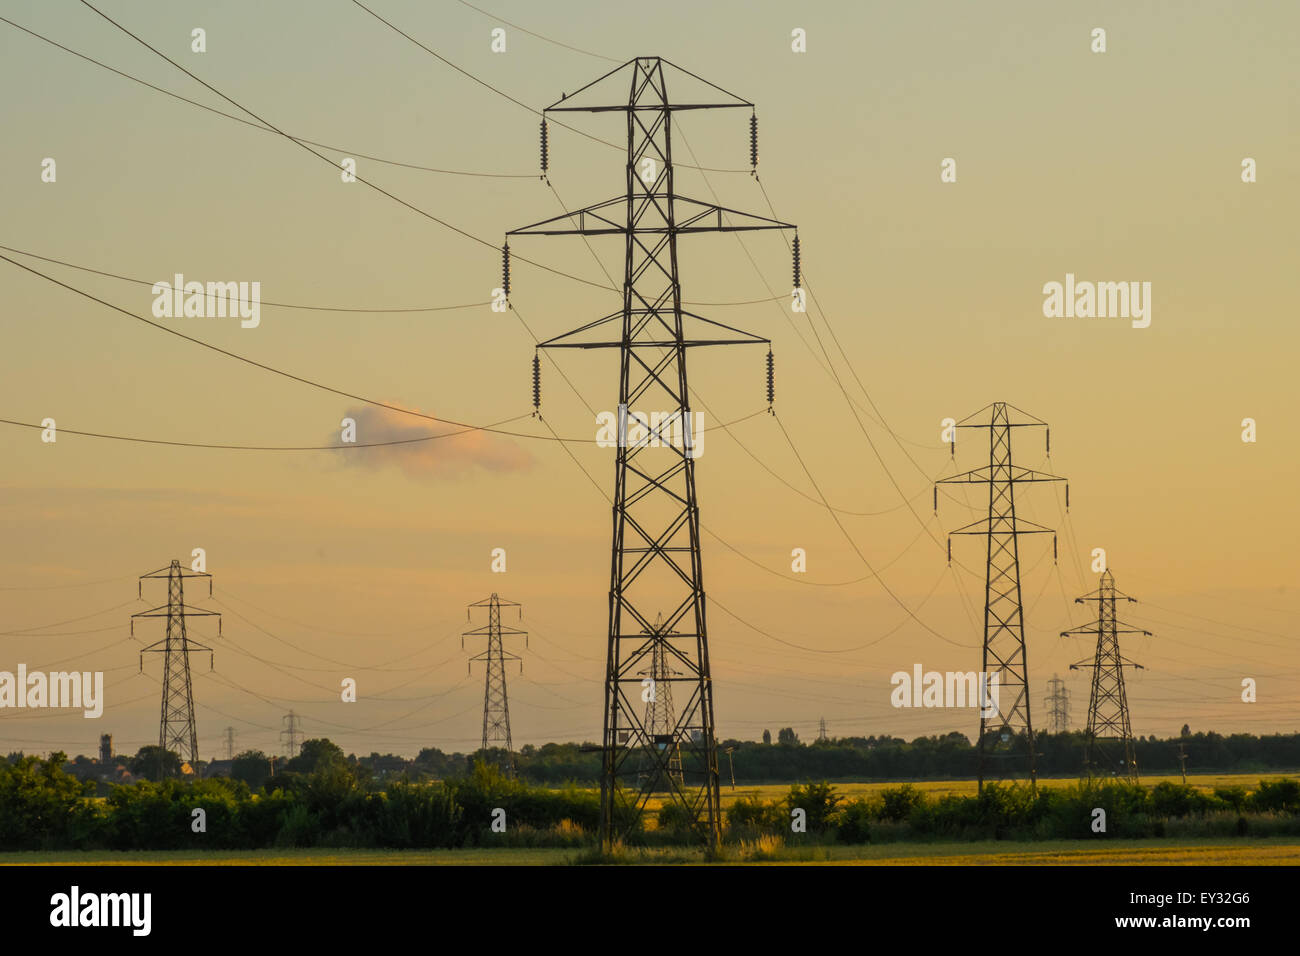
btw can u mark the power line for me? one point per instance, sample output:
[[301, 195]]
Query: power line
[[63, 430], [239, 119], [268, 368], [333, 165], [505, 95], [281, 305], [598, 56], [493, 428]]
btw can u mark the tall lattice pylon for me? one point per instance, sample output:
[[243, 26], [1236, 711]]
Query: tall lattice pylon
[[176, 728], [655, 561], [291, 735], [663, 769], [496, 704], [1058, 706], [1006, 740], [1108, 746]]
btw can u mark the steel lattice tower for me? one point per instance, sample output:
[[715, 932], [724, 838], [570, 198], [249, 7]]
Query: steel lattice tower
[[292, 730], [1108, 718], [1058, 706], [176, 728], [660, 717], [496, 705], [1006, 740], [655, 559]]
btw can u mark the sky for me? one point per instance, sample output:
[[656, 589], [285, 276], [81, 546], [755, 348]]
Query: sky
[[927, 303]]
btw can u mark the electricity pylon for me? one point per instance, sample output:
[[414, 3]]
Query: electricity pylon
[[1006, 740], [176, 728], [230, 743], [293, 730], [1058, 706], [655, 561], [664, 770], [1108, 718], [496, 705]]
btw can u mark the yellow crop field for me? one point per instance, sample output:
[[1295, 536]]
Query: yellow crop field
[[936, 788]]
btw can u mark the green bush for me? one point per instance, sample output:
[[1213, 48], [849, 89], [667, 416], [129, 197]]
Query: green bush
[[896, 803], [416, 815], [820, 803], [756, 816], [855, 822], [1276, 796], [42, 807]]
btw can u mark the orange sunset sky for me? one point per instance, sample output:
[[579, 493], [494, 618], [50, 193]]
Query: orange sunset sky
[[1117, 166]]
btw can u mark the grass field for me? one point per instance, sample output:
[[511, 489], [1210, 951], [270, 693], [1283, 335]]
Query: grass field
[[1263, 852]]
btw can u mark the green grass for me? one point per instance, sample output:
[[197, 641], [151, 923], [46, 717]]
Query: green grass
[[291, 857], [1163, 852]]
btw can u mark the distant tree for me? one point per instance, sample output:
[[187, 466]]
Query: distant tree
[[154, 763], [253, 767], [316, 754], [786, 737], [767, 737], [1186, 731]]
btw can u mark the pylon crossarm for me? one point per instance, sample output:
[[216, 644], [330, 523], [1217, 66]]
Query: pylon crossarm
[[605, 225], [690, 217], [166, 572], [185, 608], [1033, 422], [1013, 474], [1002, 525], [646, 77]]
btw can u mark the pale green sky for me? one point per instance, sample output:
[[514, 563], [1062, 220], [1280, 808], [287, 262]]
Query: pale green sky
[[1116, 166]]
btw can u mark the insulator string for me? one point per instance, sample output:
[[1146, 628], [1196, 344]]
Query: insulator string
[[753, 144], [546, 157], [537, 384], [771, 379]]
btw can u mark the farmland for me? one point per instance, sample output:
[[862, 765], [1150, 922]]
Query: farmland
[[1165, 852]]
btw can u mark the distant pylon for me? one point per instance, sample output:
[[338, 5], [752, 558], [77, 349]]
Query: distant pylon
[[230, 743], [663, 770], [1058, 706], [656, 560], [176, 727], [1108, 718], [1006, 741], [293, 731], [496, 705], [821, 730]]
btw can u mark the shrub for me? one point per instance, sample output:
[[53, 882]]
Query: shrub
[[1277, 796], [896, 803], [820, 803], [855, 822], [756, 816]]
